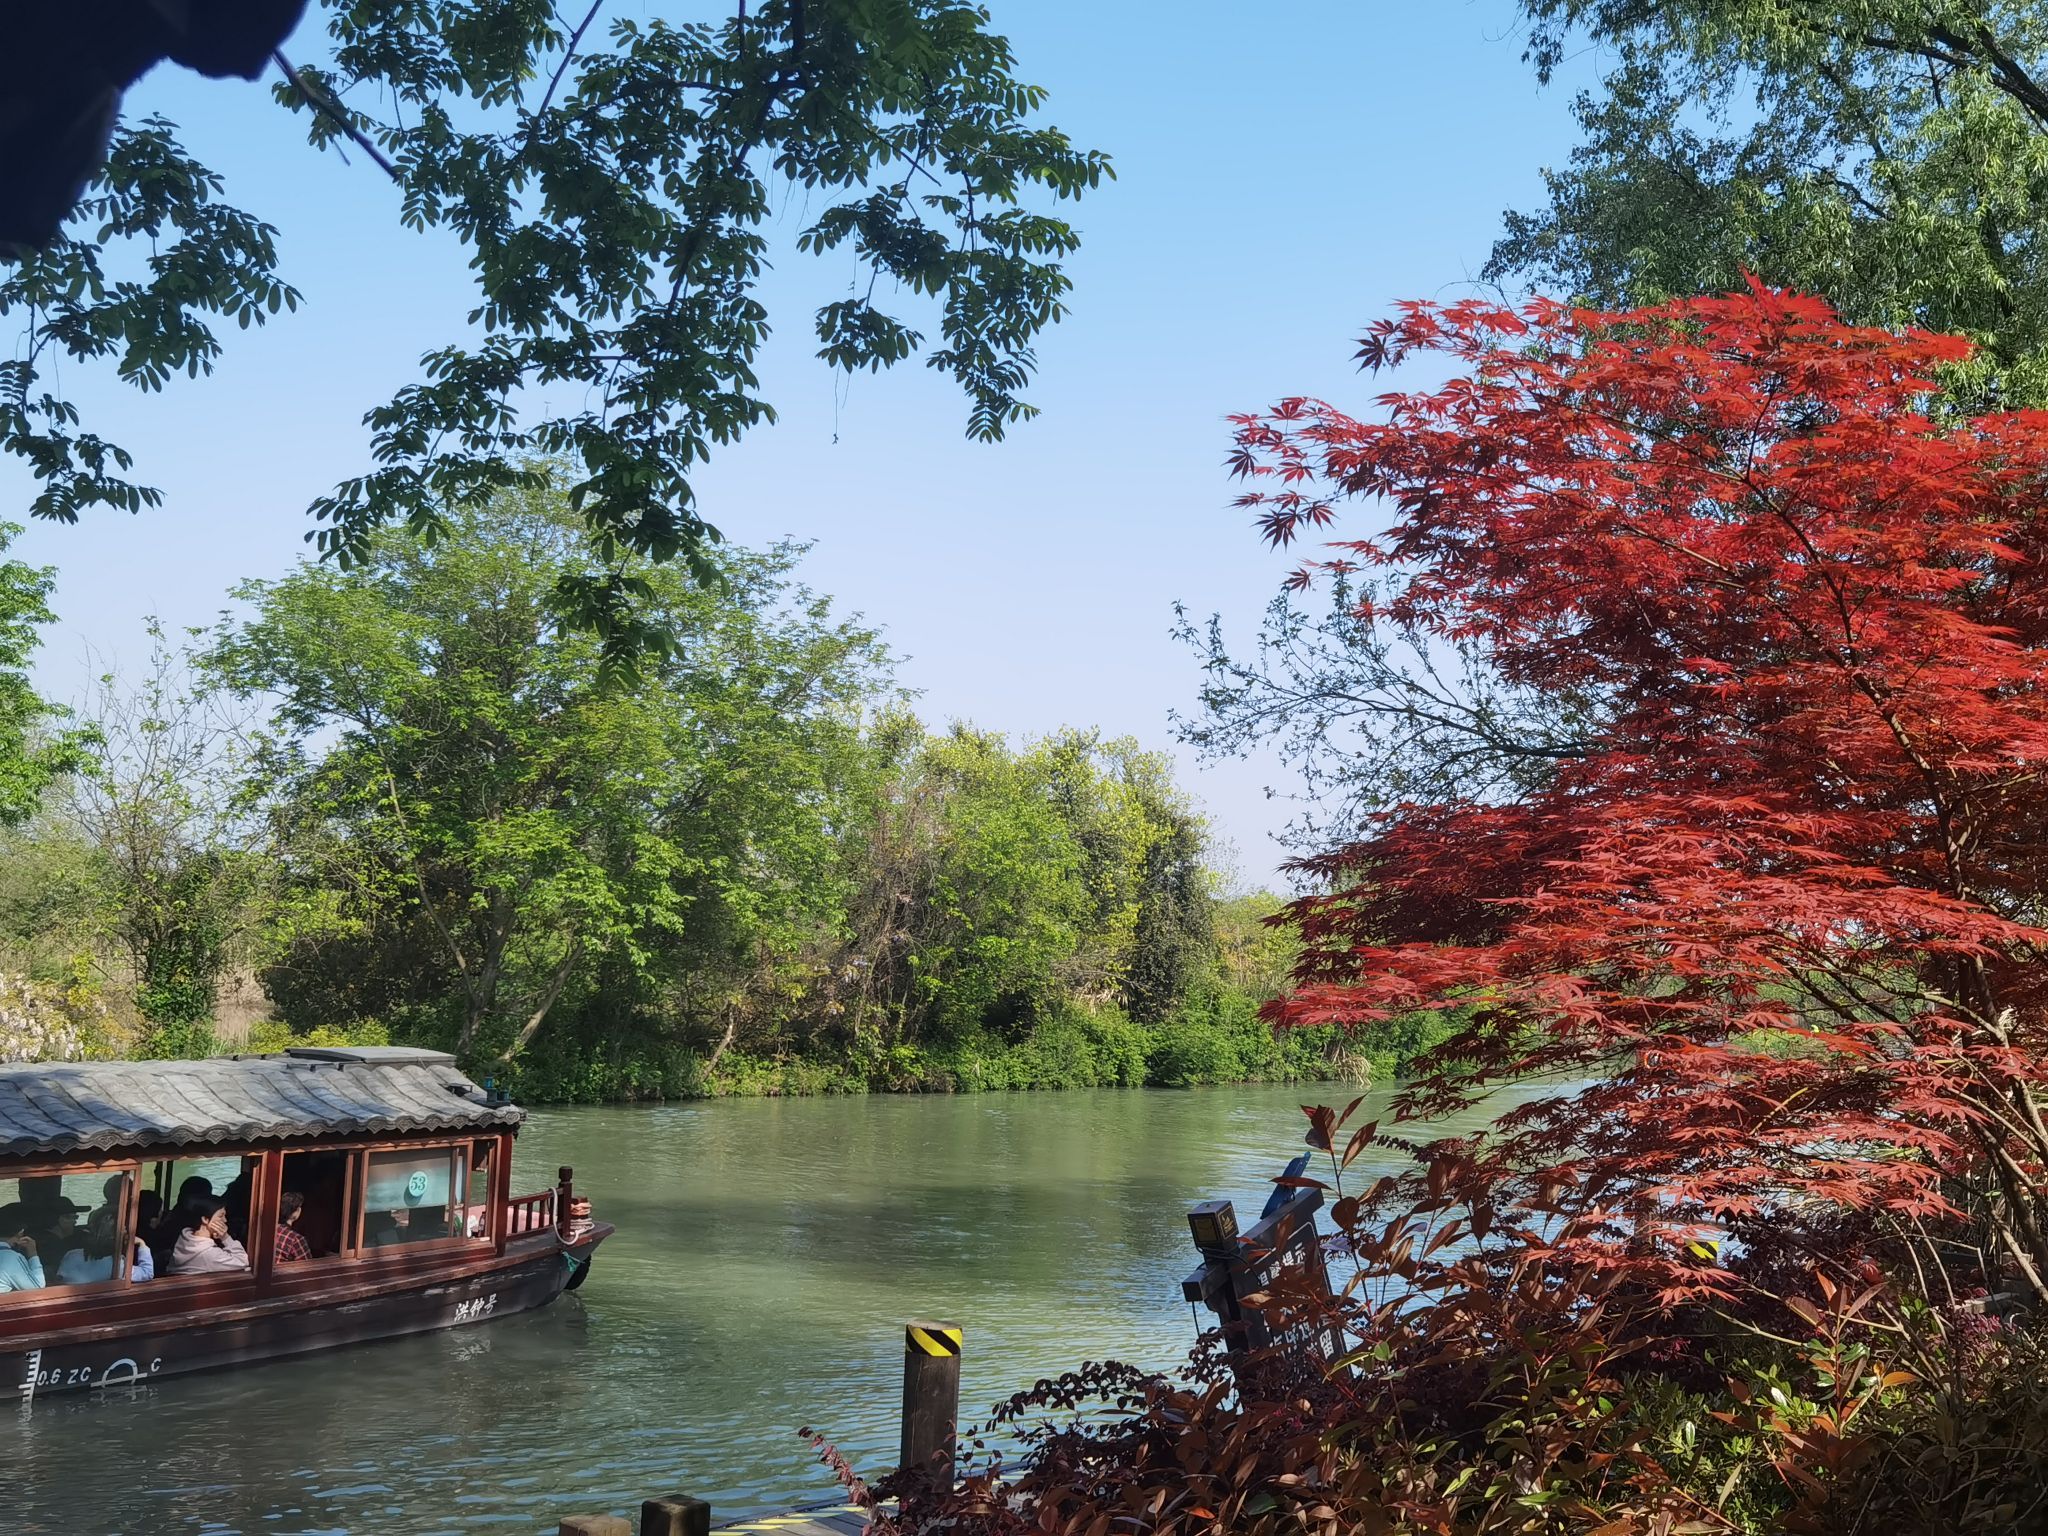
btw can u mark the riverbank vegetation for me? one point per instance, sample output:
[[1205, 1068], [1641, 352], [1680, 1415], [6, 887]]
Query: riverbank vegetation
[[407, 801]]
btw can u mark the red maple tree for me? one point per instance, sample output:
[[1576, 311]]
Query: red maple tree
[[1774, 917]]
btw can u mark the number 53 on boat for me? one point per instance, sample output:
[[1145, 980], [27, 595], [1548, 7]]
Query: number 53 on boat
[[173, 1216]]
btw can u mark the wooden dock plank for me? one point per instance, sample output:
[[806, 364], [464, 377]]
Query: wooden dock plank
[[832, 1520]]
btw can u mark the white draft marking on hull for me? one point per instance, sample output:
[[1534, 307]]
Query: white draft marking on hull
[[28, 1378]]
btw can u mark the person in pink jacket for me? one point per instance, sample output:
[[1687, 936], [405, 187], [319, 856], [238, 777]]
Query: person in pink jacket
[[204, 1247]]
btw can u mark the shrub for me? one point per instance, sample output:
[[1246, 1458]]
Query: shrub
[[1217, 1037], [1189, 1050], [180, 1040], [1491, 1384], [1075, 1048], [42, 1022]]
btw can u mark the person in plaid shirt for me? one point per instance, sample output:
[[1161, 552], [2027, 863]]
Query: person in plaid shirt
[[291, 1247]]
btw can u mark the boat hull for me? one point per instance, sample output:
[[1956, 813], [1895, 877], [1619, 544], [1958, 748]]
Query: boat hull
[[150, 1350]]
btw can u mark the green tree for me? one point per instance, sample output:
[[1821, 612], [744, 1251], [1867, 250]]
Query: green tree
[[990, 904], [610, 184], [36, 749], [1890, 155], [461, 780], [179, 864], [1144, 855], [1255, 954], [54, 901], [994, 884]]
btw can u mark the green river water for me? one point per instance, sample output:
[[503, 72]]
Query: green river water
[[768, 1253]]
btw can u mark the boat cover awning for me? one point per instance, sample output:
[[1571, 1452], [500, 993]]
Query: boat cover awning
[[56, 1108]]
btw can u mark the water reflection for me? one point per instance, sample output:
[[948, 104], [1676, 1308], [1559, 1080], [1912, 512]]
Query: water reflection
[[767, 1256]]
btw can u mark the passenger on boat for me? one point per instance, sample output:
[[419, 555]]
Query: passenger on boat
[[149, 1218], [190, 1193], [291, 1243], [20, 1268], [93, 1260], [141, 1261], [204, 1247], [236, 1198], [163, 1237], [54, 1226]]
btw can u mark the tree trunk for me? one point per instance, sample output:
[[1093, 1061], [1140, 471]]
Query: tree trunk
[[539, 1015], [732, 1024]]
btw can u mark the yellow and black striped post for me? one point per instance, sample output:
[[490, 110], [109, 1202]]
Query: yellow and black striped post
[[931, 1397]]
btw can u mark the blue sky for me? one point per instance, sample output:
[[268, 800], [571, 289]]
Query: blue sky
[[1285, 173]]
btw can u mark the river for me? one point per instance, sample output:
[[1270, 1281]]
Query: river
[[768, 1253]]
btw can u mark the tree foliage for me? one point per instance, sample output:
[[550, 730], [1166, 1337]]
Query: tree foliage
[[1891, 157], [994, 885], [611, 181], [742, 865], [179, 872], [1369, 713], [463, 782], [1803, 803], [36, 750]]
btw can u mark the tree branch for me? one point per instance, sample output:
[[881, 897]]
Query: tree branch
[[568, 57], [333, 111], [534, 1020]]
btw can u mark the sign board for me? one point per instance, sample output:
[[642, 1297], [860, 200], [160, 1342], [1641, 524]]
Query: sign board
[[1251, 1265]]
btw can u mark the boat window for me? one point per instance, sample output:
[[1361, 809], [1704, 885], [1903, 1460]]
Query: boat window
[[170, 1184], [415, 1195], [325, 1184], [72, 1229]]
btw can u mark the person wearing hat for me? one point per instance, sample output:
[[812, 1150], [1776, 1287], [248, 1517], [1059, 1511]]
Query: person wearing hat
[[21, 1269], [54, 1226]]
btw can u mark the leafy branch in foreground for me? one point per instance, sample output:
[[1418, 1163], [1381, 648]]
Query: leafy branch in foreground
[[611, 185]]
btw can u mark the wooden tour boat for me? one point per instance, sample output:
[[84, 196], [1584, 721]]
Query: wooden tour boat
[[399, 1173]]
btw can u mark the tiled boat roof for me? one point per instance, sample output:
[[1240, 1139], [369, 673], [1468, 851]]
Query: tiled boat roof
[[62, 1107]]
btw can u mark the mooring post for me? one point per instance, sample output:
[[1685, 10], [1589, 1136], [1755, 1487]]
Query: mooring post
[[596, 1525], [931, 1397], [676, 1515], [565, 1186], [1213, 1225]]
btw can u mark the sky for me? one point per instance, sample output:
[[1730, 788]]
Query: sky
[[1285, 174]]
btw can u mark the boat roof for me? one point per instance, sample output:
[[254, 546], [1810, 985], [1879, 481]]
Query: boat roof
[[54, 1108]]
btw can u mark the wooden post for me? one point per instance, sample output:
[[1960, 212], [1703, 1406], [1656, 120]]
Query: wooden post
[[676, 1515], [596, 1525], [1213, 1225], [1234, 1266], [501, 1189], [565, 1186], [931, 1397], [263, 1212]]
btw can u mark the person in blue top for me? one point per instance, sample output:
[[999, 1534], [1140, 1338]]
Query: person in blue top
[[20, 1269]]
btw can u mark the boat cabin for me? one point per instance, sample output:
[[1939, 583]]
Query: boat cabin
[[364, 1192]]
